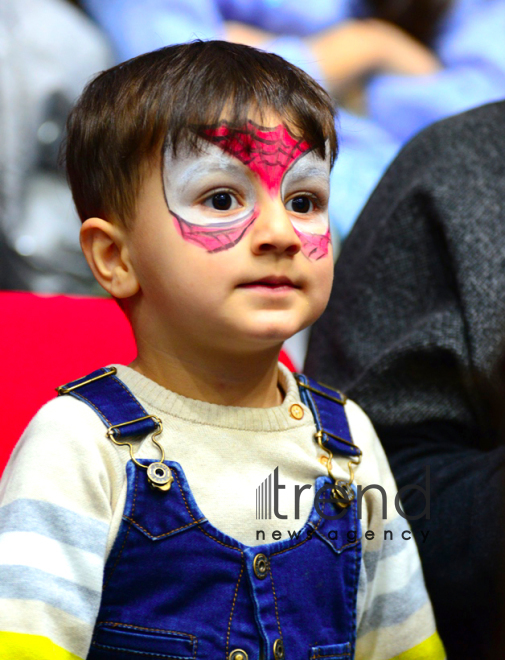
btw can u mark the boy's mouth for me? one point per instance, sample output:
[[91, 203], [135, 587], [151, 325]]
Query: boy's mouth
[[271, 282]]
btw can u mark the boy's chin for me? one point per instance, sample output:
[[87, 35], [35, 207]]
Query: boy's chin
[[272, 335]]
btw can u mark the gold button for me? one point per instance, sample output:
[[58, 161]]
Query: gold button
[[238, 654], [260, 566], [278, 649], [296, 411]]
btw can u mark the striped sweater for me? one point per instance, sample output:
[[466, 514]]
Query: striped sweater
[[63, 492]]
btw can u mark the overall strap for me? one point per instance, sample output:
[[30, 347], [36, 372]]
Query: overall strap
[[113, 402], [328, 408]]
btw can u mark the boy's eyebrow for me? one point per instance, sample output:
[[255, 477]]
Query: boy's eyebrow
[[308, 170], [208, 166], [308, 166]]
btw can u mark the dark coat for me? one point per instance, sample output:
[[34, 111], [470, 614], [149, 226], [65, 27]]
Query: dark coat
[[413, 332]]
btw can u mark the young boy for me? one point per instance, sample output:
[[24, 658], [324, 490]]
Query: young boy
[[201, 174]]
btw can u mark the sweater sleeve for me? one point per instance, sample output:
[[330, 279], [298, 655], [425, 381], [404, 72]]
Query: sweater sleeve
[[55, 512], [394, 613]]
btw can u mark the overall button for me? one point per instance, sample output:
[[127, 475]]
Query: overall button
[[238, 654], [279, 649], [159, 476], [260, 566]]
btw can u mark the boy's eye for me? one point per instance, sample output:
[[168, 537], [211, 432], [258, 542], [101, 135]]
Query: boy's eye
[[300, 204], [221, 201]]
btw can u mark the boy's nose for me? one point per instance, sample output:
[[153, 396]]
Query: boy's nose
[[273, 231]]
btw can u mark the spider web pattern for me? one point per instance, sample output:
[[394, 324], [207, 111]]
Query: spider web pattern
[[267, 152], [314, 246], [214, 238]]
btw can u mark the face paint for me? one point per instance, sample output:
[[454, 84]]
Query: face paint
[[215, 238], [191, 180], [314, 246], [310, 174], [282, 163], [267, 152]]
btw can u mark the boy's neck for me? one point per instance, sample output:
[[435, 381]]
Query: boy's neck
[[247, 381]]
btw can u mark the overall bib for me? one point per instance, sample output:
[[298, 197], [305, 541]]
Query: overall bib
[[177, 587]]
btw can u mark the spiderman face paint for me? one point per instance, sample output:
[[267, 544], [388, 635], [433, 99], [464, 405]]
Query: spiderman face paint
[[213, 195], [268, 153]]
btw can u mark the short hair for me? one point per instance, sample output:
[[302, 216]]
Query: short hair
[[128, 114]]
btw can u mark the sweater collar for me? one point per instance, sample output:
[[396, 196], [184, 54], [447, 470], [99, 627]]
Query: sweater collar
[[154, 397]]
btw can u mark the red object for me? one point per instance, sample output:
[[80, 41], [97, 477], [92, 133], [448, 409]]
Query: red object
[[50, 340], [268, 153], [286, 360]]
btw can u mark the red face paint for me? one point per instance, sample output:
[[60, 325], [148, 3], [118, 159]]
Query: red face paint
[[214, 238], [314, 246], [267, 152]]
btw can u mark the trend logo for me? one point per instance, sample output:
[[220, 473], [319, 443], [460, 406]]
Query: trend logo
[[264, 499]]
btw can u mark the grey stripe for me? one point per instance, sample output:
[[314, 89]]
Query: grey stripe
[[55, 522], [32, 584], [389, 547], [395, 607]]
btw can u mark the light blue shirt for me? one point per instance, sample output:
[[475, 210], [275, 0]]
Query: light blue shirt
[[470, 44]]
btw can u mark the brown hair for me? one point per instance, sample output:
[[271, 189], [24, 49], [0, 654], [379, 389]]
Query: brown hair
[[128, 113]]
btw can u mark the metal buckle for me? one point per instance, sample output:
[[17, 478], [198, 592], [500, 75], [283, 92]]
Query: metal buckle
[[111, 429], [320, 442], [342, 401], [342, 489], [65, 390], [159, 475]]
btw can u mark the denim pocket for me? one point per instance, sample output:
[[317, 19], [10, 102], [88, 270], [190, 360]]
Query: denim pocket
[[116, 641], [331, 652]]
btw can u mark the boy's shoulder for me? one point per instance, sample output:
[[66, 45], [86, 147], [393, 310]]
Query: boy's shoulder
[[360, 426], [63, 424], [359, 423], [65, 441]]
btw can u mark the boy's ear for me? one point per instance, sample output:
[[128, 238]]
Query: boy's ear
[[107, 254]]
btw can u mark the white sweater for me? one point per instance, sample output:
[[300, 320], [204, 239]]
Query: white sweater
[[63, 493]]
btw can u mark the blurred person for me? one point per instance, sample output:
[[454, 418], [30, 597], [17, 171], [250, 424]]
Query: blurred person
[[413, 333], [404, 65], [48, 51]]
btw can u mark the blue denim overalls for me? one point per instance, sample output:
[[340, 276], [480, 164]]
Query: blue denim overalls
[[177, 587]]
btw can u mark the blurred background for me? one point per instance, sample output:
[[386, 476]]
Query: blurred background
[[48, 50], [392, 66]]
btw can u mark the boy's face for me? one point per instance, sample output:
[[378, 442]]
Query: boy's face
[[232, 249]]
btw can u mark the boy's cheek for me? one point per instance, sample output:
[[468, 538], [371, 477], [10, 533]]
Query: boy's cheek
[[314, 246], [327, 276]]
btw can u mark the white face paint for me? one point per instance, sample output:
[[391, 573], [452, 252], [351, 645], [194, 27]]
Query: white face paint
[[214, 195], [306, 185], [193, 180]]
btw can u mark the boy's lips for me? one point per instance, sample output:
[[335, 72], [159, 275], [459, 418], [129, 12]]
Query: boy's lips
[[271, 282]]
